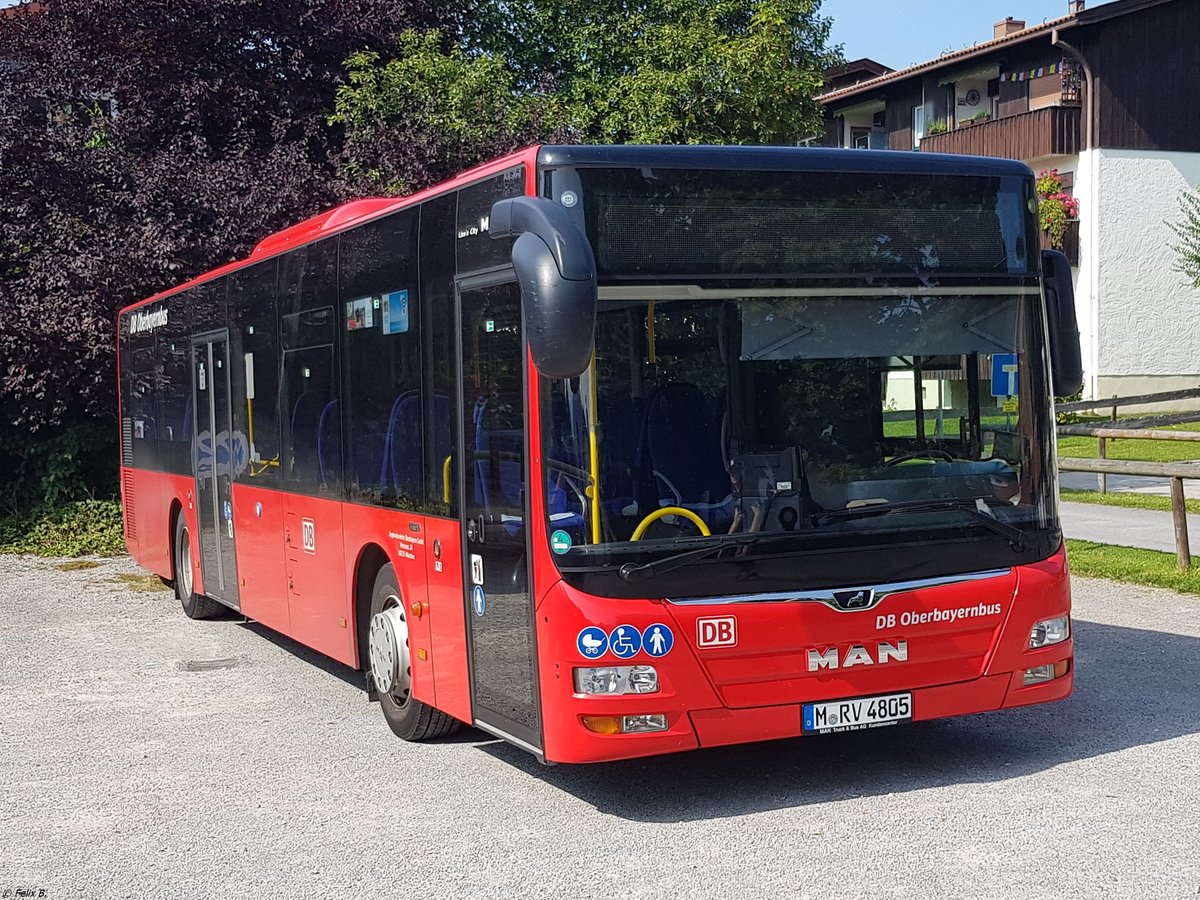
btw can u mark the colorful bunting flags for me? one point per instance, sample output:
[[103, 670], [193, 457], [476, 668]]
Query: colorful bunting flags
[[1039, 72]]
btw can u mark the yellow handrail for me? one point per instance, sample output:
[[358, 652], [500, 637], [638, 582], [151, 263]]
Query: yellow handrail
[[669, 511], [594, 449], [446, 479]]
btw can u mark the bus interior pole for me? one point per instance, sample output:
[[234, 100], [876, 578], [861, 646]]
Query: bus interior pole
[[594, 448]]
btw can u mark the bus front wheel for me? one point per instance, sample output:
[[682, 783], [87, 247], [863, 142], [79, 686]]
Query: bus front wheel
[[391, 666], [195, 606]]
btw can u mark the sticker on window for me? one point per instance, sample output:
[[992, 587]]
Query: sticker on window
[[360, 313], [395, 312]]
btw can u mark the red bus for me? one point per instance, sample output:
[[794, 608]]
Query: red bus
[[616, 451]]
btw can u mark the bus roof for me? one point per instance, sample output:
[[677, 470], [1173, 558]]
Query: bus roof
[[802, 159]]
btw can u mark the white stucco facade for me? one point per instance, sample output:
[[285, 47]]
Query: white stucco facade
[[1149, 312], [1139, 318]]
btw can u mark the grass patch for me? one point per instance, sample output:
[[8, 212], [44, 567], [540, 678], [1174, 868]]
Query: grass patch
[[80, 528], [1128, 500], [1131, 565], [1116, 448], [76, 565], [141, 583]]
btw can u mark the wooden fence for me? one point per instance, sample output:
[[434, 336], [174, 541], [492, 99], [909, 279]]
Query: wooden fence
[[1139, 430]]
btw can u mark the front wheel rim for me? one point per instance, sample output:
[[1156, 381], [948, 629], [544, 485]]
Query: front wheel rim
[[388, 648]]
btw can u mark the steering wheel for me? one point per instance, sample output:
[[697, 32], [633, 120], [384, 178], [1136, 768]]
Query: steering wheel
[[920, 454], [669, 511]]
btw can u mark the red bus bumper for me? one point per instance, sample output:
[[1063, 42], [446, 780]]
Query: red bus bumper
[[756, 689]]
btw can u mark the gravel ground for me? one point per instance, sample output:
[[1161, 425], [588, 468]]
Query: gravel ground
[[146, 755]]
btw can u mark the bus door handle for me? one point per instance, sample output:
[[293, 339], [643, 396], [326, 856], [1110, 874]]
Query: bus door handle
[[475, 530]]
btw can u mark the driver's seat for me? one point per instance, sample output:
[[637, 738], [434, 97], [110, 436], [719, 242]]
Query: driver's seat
[[683, 447]]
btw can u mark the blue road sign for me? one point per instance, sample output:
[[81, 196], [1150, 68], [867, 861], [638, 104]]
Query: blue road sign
[[592, 642], [657, 640], [478, 600], [1004, 374], [624, 641]]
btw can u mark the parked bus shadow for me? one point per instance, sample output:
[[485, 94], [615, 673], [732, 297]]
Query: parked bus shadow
[[331, 666], [1134, 687]]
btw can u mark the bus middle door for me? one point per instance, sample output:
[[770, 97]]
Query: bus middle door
[[213, 458]]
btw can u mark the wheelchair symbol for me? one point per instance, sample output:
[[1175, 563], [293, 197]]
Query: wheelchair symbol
[[625, 641]]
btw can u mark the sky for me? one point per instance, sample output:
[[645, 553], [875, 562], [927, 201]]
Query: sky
[[899, 33]]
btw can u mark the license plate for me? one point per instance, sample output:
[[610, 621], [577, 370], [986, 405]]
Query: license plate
[[860, 712]]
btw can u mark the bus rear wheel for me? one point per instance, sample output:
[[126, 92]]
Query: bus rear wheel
[[391, 666], [195, 606]]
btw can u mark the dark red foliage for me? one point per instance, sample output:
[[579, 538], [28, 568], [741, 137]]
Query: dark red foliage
[[221, 135]]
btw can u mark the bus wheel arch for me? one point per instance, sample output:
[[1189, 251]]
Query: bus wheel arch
[[389, 666], [371, 559], [173, 515], [195, 605]]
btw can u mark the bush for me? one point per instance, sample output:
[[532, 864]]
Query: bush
[[78, 528], [48, 469], [1188, 232]]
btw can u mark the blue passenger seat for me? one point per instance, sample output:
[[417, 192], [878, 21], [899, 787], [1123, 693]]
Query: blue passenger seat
[[329, 443], [401, 464], [305, 425]]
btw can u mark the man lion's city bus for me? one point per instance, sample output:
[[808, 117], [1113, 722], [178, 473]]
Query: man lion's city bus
[[616, 451]]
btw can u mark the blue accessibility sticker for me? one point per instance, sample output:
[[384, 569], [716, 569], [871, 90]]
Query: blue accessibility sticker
[[625, 641], [657, 640], [592, 642], [478, 600]]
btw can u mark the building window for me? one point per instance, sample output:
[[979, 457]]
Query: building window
[[918, 126], [1045, 90]]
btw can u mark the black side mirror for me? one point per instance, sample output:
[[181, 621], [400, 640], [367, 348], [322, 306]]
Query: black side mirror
[[1066, 359], [557, 272]]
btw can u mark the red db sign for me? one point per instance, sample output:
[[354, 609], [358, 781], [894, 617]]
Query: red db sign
[[716, 632]]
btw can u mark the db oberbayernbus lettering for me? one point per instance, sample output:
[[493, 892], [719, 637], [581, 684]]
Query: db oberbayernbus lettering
[[617, 451]]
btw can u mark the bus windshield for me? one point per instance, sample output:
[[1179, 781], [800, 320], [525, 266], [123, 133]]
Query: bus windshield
[[840, 413]]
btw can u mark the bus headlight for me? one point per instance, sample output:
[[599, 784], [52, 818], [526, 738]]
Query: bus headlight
[[616, 680], [1050, 631]]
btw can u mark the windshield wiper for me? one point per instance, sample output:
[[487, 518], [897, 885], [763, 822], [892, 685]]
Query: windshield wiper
[[636, 572], [1016, 536]]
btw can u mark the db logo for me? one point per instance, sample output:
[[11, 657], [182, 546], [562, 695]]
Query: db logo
[[308, 535], [721, 632]]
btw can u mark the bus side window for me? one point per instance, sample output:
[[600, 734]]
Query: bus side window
[[440, 357], [141, 401], [175, 388], [254, 357], [310, 407], [380, 323]]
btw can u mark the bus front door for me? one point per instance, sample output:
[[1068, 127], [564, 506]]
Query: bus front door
[[213, 455], [501, 646]]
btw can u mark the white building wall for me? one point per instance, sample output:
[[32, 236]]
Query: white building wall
[[1145, 315], [1087, 287]]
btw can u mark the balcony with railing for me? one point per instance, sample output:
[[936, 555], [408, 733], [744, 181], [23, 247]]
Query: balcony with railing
[[1051, 131]]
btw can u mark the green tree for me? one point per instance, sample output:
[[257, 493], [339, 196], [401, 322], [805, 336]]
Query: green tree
[[430, 111], [1188, 232], [597, 71]]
